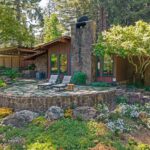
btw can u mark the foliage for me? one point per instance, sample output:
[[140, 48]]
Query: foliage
[[103, 111], [31, 67], [79, 78], [124, 12], [5, 112], [68, 113], [118, 126], [28, 14], [12, 73], [128, 110], [52, 28], [147, 88], [132, 42], [11, 30], [100, 84], [132, 144], [68, 134], [2, 83], [63, 134], [121, 99]]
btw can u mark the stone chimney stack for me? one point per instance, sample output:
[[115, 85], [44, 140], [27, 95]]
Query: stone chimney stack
[[82, 42]]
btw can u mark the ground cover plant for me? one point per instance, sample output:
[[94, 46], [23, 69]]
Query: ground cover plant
[[112, 129], [2, 83]]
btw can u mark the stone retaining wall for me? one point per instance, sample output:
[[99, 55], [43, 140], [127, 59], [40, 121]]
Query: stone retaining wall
[[41, 104]]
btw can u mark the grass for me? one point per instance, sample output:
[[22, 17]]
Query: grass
[[66, 134]]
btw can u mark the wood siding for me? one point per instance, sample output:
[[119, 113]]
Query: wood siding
[[9, 61]]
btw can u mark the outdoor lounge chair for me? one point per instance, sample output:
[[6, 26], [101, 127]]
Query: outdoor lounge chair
[[52, 81], [66, 80]]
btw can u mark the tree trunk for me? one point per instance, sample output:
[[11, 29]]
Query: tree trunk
[[138, 80]]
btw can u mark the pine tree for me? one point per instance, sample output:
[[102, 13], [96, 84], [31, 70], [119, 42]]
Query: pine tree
[[52, 28], [27, 12]]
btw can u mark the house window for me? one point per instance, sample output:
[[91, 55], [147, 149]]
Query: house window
[[54, 63], [63, 63], [58, 63]]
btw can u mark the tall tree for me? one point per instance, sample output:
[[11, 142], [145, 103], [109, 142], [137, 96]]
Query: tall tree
[[52, 28], [11, 31], [70, 10], [124, 12], [27, 12], [50, 8]]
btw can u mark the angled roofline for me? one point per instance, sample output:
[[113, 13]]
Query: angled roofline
[[41, 49], [60, 39]]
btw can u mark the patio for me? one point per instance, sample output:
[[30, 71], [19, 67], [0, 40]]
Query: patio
[[28, 88], [24, 94]]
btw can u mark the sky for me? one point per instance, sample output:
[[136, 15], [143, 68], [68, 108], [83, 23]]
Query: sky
[[43, 3]]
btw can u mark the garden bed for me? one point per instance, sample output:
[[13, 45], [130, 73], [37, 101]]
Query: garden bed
[[109, 131]]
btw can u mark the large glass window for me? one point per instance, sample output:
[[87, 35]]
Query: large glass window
[[54, 63], [58, 63], [63, 63]]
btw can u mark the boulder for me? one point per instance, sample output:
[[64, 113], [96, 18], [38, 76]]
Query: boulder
[[54, 113], [85, 113], [19, 119]]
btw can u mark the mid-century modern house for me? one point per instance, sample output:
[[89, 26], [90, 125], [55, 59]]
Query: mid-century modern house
[[66, 55], [13, 57]]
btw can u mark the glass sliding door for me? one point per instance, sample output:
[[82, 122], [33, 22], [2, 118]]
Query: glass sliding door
[[63, 63], [58, 64], [54, 64], [105, 68]]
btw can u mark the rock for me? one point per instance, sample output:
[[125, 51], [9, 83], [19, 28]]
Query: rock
[[54, 113], [85, 113], [20, 119]]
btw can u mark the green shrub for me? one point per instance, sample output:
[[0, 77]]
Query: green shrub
[[2, 83], [100, 84], [121, 100], [147, 88], [31, 67], [12, 73], [79, 78]]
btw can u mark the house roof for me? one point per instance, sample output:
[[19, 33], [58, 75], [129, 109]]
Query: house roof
[[35, 55], [16, 51], [62, 39], [41, 49]]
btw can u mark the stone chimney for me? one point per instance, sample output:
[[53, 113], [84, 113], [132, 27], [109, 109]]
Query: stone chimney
[[82, 42]]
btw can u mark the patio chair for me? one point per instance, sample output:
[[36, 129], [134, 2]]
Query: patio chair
[[66, 80], [52, 81]]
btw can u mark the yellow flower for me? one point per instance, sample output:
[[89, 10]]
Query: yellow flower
[[5, 112], [68, 113]]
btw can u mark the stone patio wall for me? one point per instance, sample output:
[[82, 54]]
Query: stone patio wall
[[41, 104]]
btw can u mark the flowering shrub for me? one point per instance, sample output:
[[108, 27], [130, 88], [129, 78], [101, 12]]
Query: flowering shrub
[[5, 112], [128, 110], [103, 112], [68, 113], [146, 108], [118, 125]]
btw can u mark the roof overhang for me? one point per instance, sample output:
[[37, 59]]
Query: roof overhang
[[16, 51], [63, 39], [42, 49]]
